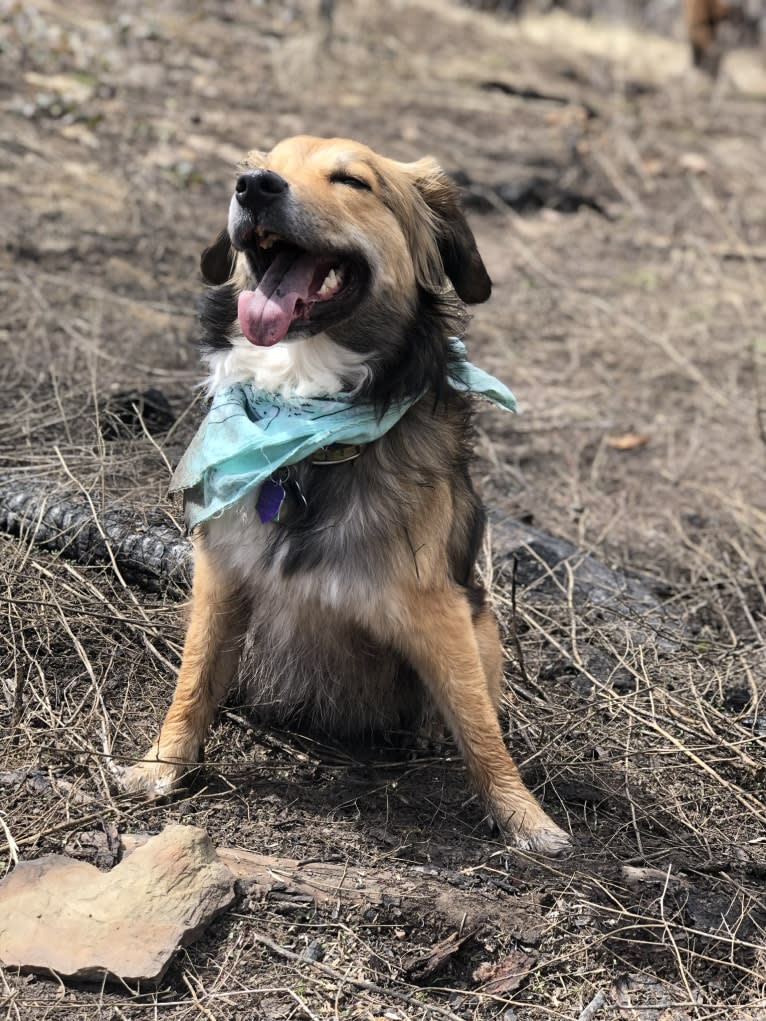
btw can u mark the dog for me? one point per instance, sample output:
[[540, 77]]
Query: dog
[[714, 27], [344, 272], [703, 18]]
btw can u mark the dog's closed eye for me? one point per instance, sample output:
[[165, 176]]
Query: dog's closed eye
[[351, 180]]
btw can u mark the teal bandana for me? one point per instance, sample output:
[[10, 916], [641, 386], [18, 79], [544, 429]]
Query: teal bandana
[[248, 434]]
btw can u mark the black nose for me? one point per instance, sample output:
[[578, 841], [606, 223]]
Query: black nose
[[258, 188]]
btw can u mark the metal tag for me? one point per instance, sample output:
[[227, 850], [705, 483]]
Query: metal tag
[[270, 501]]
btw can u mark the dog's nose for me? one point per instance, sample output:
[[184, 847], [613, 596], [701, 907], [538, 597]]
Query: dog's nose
[[258, 188]]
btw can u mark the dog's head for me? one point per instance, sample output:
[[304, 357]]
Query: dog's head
[[325, 235]]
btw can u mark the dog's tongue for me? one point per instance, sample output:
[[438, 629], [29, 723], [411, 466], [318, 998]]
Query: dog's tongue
[[266, 313]]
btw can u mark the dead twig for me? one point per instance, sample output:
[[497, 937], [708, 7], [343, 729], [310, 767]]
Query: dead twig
[[589, 1012], [428, 1009], [514, 622]]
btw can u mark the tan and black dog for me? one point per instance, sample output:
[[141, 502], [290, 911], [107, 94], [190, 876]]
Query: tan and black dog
[[362, 606]]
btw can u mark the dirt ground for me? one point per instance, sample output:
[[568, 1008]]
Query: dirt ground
[[618, 200]]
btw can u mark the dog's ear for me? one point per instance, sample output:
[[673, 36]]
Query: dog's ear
[[454, 238], [217, 261]]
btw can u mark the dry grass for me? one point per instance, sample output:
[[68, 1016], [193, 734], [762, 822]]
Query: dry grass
[[649, 746]]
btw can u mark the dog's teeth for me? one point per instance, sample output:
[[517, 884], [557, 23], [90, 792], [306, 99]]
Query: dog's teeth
[[331, 283]]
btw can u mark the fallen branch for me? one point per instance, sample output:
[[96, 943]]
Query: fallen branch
[[598, 1002], [532, 93], [149, 551], [419, 894], [551, 566]]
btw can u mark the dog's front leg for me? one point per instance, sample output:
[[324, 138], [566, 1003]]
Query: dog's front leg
[[208, 665], [438, 637]]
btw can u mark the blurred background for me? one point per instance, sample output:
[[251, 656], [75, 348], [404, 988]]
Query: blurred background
[[615, 189]]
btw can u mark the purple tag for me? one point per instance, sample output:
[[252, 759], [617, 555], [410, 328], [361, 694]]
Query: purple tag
[[270, 500]]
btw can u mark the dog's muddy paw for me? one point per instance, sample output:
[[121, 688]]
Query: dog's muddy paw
[[155, 779]]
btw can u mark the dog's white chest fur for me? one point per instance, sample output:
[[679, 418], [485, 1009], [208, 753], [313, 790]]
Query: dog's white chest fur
[[316, 367]]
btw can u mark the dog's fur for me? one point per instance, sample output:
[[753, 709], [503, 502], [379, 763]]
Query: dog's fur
[[363, 606]]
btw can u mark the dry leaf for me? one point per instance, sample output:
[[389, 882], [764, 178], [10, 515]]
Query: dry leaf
[[505, 976], [425, 963], [627, 441]]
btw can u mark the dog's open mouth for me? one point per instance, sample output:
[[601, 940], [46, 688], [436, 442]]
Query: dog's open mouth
[[296, 289]]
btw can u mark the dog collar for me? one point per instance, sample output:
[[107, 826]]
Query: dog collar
[[274, 492], [337, 453], [249, 434]]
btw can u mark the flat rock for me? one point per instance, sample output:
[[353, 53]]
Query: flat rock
[[63, 915]]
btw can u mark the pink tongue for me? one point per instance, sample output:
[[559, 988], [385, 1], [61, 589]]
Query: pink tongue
[[266, 313]]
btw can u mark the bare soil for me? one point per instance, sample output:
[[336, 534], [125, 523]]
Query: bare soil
[[618, 200]]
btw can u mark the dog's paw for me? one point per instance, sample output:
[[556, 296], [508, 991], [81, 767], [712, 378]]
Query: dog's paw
[[530, 829], [153, 778], [548, 839]]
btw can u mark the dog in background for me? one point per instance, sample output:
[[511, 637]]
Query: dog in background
[[714, 26], [702, 19], [361, 607]]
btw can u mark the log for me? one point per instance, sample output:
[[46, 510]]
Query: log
[[551, 566], [150, 552], [467, 903]]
